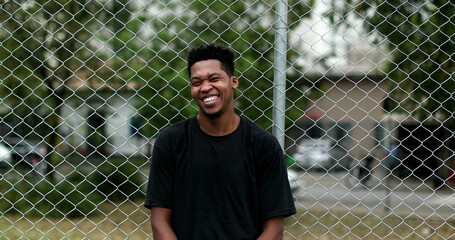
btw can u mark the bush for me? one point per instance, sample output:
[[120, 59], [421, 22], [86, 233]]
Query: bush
[[74, 196], [9, 195], [118, 181], [80, 197], [77, 195]]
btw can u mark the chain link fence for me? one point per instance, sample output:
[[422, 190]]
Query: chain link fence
[[359, 93]]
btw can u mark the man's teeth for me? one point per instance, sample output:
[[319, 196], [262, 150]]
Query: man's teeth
[[209, 99]]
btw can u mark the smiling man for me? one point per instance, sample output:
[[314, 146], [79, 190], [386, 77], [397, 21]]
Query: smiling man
[[217, 175]]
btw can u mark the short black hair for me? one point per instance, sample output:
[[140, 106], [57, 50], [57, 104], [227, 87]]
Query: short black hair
[[212, 51]]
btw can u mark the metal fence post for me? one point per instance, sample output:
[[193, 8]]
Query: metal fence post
[[279, 91]]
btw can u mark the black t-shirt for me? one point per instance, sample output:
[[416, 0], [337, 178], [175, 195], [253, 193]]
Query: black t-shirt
[[219, 187]]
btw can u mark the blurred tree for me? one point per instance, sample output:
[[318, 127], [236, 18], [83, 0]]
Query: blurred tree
[[48, 52], [245, 26], [420, 37], [53, 50]]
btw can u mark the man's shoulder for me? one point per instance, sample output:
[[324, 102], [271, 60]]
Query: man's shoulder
[[262, 143], [257, 132], [177, 129], [253, 127]]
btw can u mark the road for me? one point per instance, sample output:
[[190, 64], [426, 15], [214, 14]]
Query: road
[[404, 198]]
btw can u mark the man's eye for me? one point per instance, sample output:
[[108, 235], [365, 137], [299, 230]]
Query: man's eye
[[195, 83], [214, 79]]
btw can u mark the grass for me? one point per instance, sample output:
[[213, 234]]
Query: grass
[[347, 225], [125, 221], [131, 221]]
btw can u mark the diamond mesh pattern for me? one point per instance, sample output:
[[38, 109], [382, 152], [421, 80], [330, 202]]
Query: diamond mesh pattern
[[86, 86]]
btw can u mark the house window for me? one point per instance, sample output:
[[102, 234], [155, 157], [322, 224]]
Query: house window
[[136, 126]]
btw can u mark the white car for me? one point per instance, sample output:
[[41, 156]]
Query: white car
[[293, 178], [321, 154], [5, 157], [26, 154]]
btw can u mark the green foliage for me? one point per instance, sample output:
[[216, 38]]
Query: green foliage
[[245, 26], [77, 195], [43, 45], [118, 181], [419, 35], [49, 44], [8, 196], [72, 197]]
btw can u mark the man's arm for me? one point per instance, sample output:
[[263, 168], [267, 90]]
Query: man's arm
[[161, 224], [272, 229]]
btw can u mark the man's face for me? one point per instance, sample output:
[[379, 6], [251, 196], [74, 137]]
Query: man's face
[[211, 88]]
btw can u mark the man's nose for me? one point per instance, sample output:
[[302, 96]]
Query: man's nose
[[206, 86]]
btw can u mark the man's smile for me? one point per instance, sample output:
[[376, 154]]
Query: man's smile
[[209, 99]]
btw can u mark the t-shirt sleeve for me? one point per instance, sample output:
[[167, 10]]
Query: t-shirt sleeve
[[161, 178], [275, 194]]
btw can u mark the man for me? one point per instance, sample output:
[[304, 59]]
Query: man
[[217, 175]]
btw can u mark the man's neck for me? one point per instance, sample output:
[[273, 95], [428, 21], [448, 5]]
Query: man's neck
[[218, 126]]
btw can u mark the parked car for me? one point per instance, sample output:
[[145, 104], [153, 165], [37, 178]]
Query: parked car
[[293, 178], [26, 153], [321, 154], [5, 157]]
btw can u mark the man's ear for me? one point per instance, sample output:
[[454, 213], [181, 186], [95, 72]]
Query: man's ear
[[235, 82]]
